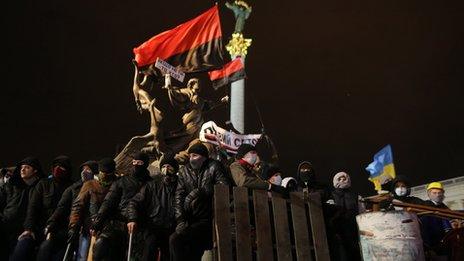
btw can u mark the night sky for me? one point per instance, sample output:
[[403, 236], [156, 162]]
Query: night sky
[[335, 80]]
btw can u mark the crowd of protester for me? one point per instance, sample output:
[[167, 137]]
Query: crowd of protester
[[47, 216]]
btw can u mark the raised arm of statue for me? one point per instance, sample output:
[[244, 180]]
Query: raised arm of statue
[[241, 12]]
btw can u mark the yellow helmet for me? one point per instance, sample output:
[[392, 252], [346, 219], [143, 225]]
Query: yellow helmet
[[435, 185]]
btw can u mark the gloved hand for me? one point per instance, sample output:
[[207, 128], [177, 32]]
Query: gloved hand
[[50, 228], [279, 189], [97, 224]]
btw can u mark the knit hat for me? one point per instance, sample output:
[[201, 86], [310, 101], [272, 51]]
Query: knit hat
[[92, 164], [244, 149], [171, 161], [33, 162], [200, 149], [107, 165], [338, 184]]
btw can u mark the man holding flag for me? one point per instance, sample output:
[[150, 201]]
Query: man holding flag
[[382, 169]]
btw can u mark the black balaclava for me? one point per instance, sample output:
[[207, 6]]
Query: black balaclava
[[61, 168], [141, 171], [308, 177]]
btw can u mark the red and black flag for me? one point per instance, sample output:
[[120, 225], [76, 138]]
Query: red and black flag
[[193, 46], [231, 72]]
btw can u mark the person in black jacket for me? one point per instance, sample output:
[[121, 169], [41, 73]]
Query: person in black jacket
[[153, 209], [42, 204], [55, 230], [194, 206], [342, 228], [401, 191], [14, 198], [110, 222]]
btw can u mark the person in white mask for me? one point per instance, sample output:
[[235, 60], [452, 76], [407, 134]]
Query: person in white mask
[[245, 171], [400, 190]]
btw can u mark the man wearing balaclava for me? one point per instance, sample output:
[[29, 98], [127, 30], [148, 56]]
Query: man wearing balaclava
[[152, 209], [193, 204], [342, 228], [14, 198], [307, 179], [245, 171], [44, 199], [110, 222], [88, 201], [58, 222], [433, 229]]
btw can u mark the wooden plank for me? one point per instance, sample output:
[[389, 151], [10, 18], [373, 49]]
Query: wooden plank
[[321, 246], [222, 222], [282, 231], [242, 224], [263, 226], [300, 227]]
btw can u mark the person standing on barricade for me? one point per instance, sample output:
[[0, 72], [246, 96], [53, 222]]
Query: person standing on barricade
[[194, 204], [152, 209], [110, 222], [86, 206]]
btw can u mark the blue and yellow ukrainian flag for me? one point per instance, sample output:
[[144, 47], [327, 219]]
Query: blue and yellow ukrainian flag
[[382, 168]]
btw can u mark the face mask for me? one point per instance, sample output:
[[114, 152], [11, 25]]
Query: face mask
[[307, 175], [105, 178], [276, 180], [86, 175], [196, 163], [401, 191], [59, 172], [251, 158], [437, 198]]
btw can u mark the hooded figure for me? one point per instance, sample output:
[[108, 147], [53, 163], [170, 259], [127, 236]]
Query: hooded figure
[[42, 204], [153, 209], [14, 199], [307, 179], [112, 216], [342, 227], [401, 190]]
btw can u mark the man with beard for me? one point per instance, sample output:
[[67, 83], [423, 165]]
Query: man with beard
[[245, 171], [152, 209], [110, 222], [194, 204], [44, 199], [342, 227], [14, 198], [87, 204]]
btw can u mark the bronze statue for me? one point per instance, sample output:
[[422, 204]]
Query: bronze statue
[[241, 12]]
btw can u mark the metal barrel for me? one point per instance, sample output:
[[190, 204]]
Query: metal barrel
[[391, 235]]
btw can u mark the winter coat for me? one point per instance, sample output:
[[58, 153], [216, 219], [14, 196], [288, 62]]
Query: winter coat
[[121, 192], [60, 216], [14, 199], [243, 176], [44, 200], [153, 205], [195, 190], [87, 203]]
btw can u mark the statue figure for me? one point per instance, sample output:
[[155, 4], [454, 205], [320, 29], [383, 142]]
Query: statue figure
[[241, 12]]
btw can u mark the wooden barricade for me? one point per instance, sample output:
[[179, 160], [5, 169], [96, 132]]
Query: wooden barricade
[[267, 228]]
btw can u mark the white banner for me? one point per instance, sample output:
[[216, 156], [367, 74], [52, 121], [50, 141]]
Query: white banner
[[213, 134], [167, 68]]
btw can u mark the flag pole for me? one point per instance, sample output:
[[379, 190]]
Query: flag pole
[[237, 47]]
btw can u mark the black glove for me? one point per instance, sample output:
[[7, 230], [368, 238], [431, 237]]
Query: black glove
[[97, 224], [279, 189]]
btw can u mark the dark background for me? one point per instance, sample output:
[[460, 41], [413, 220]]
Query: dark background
[[335, 80]]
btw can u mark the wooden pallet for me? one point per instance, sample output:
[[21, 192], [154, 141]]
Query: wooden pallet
[[261, 228]]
